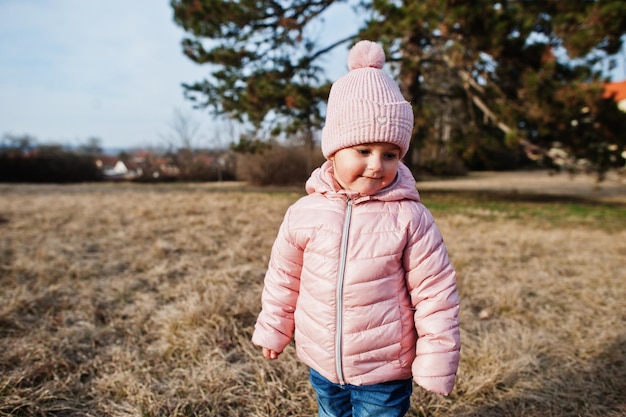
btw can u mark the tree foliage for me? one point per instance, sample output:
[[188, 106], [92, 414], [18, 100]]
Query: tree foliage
[[486, 78], [504, 71], [263, 67]]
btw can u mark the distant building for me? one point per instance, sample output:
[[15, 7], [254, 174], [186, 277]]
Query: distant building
[[617, 90], [113, 168]]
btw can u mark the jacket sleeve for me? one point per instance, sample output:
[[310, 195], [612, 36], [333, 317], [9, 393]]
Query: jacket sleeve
[[275, 325], [431, 281]]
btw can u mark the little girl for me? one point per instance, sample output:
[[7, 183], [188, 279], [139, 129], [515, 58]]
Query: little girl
[[359, 273]]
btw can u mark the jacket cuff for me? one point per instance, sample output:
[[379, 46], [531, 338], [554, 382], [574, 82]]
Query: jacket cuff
[[442, 385], [270, 340]]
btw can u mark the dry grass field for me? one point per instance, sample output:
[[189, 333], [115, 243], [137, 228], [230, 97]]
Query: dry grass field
[[139, 300]]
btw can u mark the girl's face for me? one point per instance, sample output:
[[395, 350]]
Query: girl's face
[[366, 168]]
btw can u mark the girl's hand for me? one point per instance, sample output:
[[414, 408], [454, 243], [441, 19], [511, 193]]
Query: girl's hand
[[270, 354]]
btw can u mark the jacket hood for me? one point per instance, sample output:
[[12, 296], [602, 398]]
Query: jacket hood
[[322, 181]]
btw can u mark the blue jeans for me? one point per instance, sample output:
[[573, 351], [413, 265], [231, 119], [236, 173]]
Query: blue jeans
[[388, 399]]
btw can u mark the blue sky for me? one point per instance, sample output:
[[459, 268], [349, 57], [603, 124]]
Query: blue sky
[[75, 69]]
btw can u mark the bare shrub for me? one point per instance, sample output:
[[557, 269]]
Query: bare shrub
[[277, 165]]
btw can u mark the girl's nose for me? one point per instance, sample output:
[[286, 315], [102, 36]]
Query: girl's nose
[[375, 163]]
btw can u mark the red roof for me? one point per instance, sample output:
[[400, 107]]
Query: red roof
[[618, 89]]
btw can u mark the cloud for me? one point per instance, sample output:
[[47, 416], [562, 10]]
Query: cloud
[[71, 69], [75, 69]]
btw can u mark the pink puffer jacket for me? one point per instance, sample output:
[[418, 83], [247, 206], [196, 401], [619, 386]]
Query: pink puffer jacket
[[364, 285]]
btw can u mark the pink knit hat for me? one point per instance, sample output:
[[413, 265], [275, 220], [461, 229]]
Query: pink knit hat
[[366, 105]]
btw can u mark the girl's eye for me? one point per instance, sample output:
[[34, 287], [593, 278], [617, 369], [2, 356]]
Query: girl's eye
[[363, 151], [391, 156]]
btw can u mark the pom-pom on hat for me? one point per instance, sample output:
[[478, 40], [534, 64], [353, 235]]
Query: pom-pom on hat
[[365, 105]]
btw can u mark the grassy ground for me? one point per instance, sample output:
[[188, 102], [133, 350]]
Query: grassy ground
[[139, 300]]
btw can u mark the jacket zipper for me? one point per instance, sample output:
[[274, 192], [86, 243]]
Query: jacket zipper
[[342, 271]]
